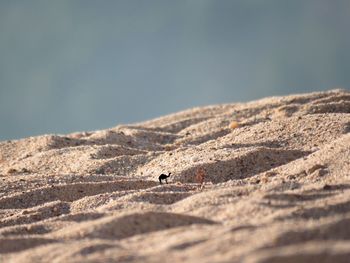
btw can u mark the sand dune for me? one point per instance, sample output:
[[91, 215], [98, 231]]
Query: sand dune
[[276, 187]]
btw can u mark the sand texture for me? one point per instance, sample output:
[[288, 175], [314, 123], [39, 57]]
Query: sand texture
[[264, 181]]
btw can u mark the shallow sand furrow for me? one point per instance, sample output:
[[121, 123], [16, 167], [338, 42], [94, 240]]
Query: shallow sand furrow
[[68, 193], [120, 227]]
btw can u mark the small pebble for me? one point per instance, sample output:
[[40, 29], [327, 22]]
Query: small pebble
[[234, 125]]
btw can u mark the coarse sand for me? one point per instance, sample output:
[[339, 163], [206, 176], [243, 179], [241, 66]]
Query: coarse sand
[[264, 181]]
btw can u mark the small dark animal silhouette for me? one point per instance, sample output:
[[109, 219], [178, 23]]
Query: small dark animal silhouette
[[163, 177]]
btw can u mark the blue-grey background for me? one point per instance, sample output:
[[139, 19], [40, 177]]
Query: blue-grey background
[[72, 65]]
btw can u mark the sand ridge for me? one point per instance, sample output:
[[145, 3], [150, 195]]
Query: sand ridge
[[277, 187]]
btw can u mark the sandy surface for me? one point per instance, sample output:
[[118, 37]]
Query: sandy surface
[[276, 187]]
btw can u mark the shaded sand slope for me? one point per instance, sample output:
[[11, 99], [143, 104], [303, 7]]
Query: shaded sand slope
[[277, 187]]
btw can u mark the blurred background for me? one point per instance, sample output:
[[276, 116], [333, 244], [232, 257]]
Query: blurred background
[[84, 65]]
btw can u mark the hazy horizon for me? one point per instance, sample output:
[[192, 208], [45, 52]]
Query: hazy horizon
[[84, 65]]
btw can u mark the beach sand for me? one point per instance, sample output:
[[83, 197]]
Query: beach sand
[[264, 181]]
